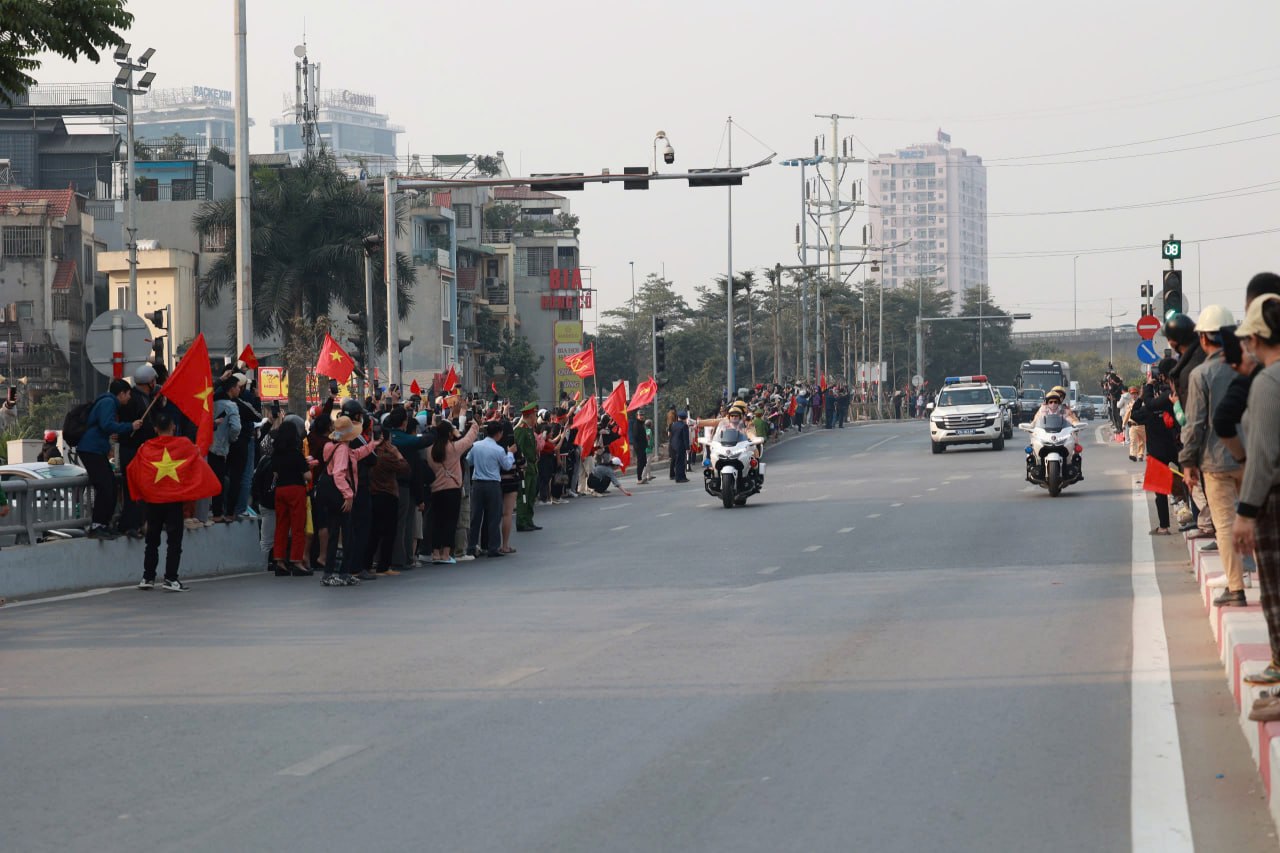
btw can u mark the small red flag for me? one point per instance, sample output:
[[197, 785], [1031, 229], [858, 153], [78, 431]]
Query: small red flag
[[822, 384], [791, 409], [493, 386], [646, 393], [170, 469], [585, 423], [577, 395], [1158, 478], [334, 361], [451, 379], [190, 388], [250, 360], [414, 387], [583, 364]]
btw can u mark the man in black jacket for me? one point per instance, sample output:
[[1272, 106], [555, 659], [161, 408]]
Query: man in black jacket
[[679, 447], [144, 385], [1181, 332], [639, 445]]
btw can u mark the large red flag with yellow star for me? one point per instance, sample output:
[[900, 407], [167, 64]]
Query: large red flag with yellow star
[[615, 406], [170, 469], [190, 388], [334, 361]]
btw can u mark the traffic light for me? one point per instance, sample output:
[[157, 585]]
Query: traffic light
[[156, 318], [1172, 293], [659, 345], [157, 350]]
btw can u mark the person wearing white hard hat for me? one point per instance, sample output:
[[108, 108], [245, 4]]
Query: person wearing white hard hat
[[1205, 456], [602, 475]]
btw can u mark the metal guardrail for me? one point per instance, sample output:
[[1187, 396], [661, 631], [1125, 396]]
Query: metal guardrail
[[40, 506]]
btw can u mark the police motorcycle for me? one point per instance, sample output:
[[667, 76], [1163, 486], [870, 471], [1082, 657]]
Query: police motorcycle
[[731, 470], [1054, 455]]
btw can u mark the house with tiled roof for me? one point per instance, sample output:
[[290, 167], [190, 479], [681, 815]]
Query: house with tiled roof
[[47, 257]]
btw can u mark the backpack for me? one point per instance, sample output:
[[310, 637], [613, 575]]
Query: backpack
[[76, 423], [263, 484]]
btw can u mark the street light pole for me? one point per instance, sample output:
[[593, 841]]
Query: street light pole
[[124, 82], [731, 386]]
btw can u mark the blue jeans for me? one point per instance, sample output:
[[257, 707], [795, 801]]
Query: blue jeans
[[246, 482]]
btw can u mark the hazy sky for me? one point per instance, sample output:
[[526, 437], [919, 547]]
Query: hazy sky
[[576, 86]]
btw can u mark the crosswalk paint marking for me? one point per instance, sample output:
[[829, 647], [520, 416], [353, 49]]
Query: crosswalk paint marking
[[874, 515], [811, 548], [663, 514], [769, 570], [845, 530], [620, 527], [893, 505], [818, 498]]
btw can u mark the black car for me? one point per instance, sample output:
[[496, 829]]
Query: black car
[[1029, 402]]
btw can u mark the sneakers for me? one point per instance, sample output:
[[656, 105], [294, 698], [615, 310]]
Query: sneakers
[[367, 575], [249, 513], [391, 573], [340, 580], [174, 586], [1209, 547], [192, 524], [146, 584], [465, 558], [1202, 534], [1232, 599], [1217, 582], [100, 531]]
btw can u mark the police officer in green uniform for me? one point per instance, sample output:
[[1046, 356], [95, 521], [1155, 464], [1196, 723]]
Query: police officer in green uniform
[[528, 444]]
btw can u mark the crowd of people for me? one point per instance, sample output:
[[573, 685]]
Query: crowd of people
[[1211, 415]]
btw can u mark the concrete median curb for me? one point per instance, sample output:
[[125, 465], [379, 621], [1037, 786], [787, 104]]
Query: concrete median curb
[[1241, 635], [74, 565]]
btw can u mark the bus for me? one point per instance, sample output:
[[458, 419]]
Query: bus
[[1044, 374]]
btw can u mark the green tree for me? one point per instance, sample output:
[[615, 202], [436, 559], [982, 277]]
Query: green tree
[[307, 224], [69, 28], [515, 367]]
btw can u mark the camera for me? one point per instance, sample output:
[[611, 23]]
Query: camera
[[668, 154]]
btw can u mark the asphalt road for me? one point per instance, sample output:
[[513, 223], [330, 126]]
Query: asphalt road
[[886, 651]]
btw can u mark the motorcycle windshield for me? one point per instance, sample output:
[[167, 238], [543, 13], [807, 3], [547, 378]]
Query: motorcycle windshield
[[1053, 423], [729, 435]]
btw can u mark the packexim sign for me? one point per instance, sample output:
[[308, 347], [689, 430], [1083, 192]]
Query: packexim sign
[[566, 291]]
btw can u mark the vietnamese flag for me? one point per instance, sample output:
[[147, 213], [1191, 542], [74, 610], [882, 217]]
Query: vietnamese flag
[[450, 379], [190, 388], [585, 423], [646, 393], [414, 387], [170, 469], [583, 364], [493, 386], [822, 384], [791, 409], [615, 406], [334, 361], [1158, 477], [250, 360]]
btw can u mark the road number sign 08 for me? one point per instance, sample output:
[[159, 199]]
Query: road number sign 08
[[1171, 249]]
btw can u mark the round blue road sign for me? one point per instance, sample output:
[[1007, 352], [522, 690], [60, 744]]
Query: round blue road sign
[[1147, 353]]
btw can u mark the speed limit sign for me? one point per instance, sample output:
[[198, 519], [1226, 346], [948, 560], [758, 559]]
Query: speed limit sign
[[1171, 250]]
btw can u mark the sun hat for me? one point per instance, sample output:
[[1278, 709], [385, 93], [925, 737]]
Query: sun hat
[[344, 429], [1253, 323]]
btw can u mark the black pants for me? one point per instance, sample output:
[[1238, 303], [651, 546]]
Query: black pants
[[382, 538], [131, 510], [446, 505], [219, 466], [166, 517], [546, 470], [356, 540], [1162, 509], [641, 458], [339, 527], [598, 484], [237, 458], [103, 480], [486, 514]]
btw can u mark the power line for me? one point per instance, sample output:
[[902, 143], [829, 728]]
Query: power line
[[990, 160], [1140, 154]]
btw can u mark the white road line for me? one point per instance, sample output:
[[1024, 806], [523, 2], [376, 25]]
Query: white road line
[[323, 760], [917, 496], [620, 527], [845, 530], [91, 593], [809, 549], [1097, 435], [769, 570], [1159, 818], [880, 442], [874, 515], [615, 506], [634, 629], [663, 514], [932, 489], [818, 498], [894, 505], [510, 677]]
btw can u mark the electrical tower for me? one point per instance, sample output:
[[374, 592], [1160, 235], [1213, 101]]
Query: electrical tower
[[306, 77]]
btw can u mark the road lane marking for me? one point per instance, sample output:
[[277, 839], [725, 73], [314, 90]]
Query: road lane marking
[[818, 498], [880, 442], [323, 760], [932, 489], [1159, 817], [91, 593], [1097, 435], [615, 506], [809, 549], [874, 515], [917, 496], [769, 570], [620, 527], [634, 629], [510, 677], [663, 514], [845, 530]]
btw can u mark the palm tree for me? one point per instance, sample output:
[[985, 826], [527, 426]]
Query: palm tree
[[307, 224]]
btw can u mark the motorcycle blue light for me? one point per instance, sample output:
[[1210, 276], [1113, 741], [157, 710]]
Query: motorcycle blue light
[[706, 463], [1028, 450]]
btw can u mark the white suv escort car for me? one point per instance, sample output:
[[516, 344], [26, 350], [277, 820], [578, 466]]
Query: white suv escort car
[[967, 411]]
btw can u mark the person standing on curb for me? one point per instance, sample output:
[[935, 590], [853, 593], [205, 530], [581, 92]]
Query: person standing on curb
[[680, 447], [95, 446], [528, 444], [166, 472]]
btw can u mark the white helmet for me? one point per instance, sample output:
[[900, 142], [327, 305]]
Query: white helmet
[[1213, 318]]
